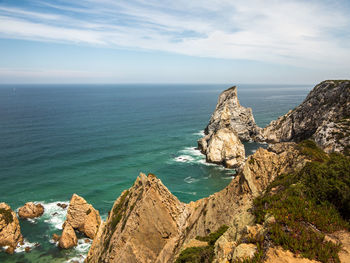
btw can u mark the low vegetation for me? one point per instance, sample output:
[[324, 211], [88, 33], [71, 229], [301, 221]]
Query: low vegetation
[[6, 215], [309, 204], [202, 254]]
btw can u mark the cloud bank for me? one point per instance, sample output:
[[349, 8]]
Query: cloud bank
[[298, 33]]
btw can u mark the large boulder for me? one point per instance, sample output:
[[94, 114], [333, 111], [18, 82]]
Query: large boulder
[[30, 210], [224, 147], [82, 216], [10, 231], [68, 238]]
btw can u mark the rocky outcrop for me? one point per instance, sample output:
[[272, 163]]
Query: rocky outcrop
[[149, 224], [10, 231], [144, 225], [82, 216], [224, 147], [230, 124], [230, 114], [68, 238], [324, 116], [30, 210]]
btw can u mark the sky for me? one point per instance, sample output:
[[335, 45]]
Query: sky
[[182, 41]]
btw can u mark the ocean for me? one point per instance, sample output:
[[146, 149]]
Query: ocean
[[94, 140]]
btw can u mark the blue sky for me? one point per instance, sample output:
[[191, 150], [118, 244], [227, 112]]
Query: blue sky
[[207, 41]]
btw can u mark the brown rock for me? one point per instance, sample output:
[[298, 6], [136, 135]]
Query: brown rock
[[278, 255], [56, 237], [63, 206], [83, 216], [30, 210], [244, 251], [10, 231], [68, 238], [195, 243], [224, 147], [149, 224], [27, 249], [323, 116]]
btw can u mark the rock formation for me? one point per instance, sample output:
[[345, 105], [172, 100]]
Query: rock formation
[[224, 147], [10, 231], [82, 216], [230, 114], [149, 224], [324, 116], [68, 238], [144, 225], [30, 210], [230, 124]]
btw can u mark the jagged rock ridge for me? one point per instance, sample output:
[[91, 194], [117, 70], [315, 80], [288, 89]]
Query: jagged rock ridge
[[149, 224], [323, 116]]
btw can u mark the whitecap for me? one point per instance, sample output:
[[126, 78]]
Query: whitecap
[[190, 180], [199, 133], [21, 248], [54, 215], [184, 158]]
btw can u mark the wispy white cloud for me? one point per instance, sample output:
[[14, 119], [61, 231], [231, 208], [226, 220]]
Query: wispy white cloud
[[301, 33]]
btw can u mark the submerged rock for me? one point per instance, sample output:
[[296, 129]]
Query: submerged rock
[[30, 210], [10, 231], [82, 216]]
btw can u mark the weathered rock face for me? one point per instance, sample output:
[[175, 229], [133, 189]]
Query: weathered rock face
[[230, 124], [224, 147], [82, 216], [148, 224], [10, 231], [30, 210], [68, 238], [230, 114], [324, 116], [145, 225]]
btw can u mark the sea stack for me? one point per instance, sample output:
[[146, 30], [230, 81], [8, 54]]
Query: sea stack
[[230, 124]]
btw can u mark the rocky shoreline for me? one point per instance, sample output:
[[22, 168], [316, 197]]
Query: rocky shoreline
[[147, 223]]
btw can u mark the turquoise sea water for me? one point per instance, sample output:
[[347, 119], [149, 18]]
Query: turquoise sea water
[[94, 140]]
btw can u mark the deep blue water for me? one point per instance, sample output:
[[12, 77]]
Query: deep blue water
[[94, 140]]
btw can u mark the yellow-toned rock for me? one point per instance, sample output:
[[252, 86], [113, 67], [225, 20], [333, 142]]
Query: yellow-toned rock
[[10, 231], [68, 238], [83, 216], [30, 210]]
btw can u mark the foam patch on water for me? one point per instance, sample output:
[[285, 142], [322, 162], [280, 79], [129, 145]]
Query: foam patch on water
[[190, 180], [190, 155], [81, 249], [54, 215], [200, 133], [22, 248]]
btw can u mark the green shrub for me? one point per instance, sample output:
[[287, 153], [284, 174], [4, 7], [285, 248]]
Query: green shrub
[[309, 203], [202, 254], [7, 215]]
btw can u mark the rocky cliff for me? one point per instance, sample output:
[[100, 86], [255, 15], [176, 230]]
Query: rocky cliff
[[230, 124], [149, 224], [323, 116]]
